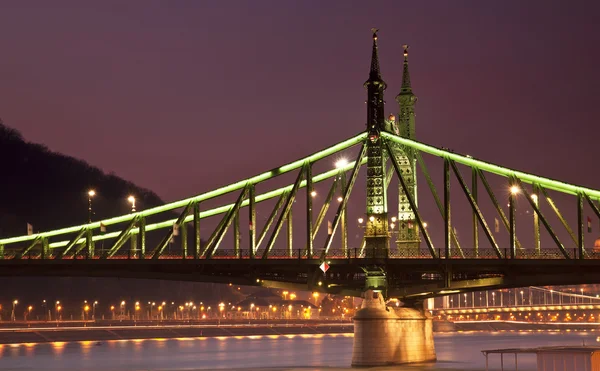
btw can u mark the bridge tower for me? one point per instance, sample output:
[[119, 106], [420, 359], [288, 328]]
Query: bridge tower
[[377, 234], [409, 238], [383, 335]]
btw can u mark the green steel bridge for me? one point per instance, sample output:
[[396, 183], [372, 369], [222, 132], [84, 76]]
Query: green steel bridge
[[396, 252]]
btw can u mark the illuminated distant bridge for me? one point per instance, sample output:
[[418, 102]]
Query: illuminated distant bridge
[[409, 248]]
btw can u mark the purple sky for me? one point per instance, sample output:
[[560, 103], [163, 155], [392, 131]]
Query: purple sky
[[184, 96]]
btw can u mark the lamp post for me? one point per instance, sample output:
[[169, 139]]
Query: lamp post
[[13, 316], [91, 194], [94, 309], [131, 200]]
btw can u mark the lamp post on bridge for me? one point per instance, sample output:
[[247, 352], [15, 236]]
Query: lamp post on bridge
[[91, 194], [131, 200]]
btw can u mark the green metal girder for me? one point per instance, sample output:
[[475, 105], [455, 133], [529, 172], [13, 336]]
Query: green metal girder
[[495, 169], [252, 221], [411, 201], [196, 221], [342, 206], [178, 223], [217, 210], [263, 234], [28, 248], [490, 193], [309, 211], [286, 209], [323, 212], [558, 214], [202, 197], [121, 239], [476, 209], [447, 213], [71, 244], [519, 184], [212, 248], [438, 202]]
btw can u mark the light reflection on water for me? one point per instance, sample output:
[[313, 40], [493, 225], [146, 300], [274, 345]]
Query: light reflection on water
[[459, 351]]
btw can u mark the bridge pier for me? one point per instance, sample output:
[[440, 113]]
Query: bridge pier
[[386, 335]]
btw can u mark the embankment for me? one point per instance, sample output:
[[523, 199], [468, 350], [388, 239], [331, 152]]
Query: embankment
[[98, 333]]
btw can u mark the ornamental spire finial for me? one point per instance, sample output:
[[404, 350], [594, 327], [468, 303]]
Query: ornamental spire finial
[[374, 73], [406, 87]]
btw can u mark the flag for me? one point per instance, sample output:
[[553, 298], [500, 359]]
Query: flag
[[329, 228], [29, 229], [589, 220], [324, 267], [102, 227], [410, 225], [175, 230], [496, 225], [251, 226]]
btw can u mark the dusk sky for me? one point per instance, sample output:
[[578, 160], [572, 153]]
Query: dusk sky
[[184, 96]]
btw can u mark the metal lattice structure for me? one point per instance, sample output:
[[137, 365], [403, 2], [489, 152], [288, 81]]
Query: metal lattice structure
[[414, 268]]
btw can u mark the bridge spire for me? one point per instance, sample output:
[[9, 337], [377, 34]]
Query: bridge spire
[[408, 230], [376, 229], [375, 87]]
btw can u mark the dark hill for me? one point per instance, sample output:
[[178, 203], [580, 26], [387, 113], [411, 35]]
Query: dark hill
[[49, 190]]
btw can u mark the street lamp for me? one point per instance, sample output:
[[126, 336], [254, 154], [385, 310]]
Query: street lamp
[[94, 309], [15, 302], [91, 194], [292, 296], [131, 200], [341, 163], [285, 293]]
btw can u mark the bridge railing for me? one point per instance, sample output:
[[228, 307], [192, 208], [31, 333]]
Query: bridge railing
[[337, 254]]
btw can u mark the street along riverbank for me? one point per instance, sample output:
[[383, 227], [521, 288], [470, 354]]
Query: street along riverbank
[[16, 335]]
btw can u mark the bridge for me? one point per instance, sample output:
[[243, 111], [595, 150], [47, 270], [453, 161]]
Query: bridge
[[398, 255]]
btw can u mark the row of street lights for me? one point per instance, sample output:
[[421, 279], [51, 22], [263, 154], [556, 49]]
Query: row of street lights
[[92, 194]]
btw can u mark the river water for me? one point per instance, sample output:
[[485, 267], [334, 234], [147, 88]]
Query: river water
[[457, 351]]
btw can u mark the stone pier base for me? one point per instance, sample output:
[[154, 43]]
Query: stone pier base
[[386, 335]]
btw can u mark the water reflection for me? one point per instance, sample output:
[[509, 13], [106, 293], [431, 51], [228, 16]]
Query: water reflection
[[455, 351]]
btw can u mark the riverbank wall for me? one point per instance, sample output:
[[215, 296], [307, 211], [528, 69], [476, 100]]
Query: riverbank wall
[[97, 333]]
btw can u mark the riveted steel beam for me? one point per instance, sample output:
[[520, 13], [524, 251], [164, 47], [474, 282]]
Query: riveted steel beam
[[476, 210], [501, 213], [411, 201], [323, 212], [558, 214], [196, 222], [519, 184], [512, 222], [474, 184], [121, 239], [447, 214], [169, 236], [309, 211], [251, 221], [236, 235], [342, 205], [580, 234], [71, 244], [142, 236], [286, 210], [438, 202], [22, 253], [270, 220], [227, 222]]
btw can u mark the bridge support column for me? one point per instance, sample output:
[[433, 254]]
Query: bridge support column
[[386, 335]]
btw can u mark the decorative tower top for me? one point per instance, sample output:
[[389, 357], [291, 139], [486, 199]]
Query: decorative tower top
[[374, 73], [375, 87], [406, 88], [406, 100]]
